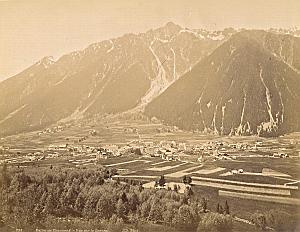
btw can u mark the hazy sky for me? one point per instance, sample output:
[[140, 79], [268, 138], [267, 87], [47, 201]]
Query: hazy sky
[[30, 30]]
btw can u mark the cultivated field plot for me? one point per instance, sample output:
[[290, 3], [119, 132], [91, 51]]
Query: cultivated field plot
[[164, 168], [257, 197], [209, 171], [170, 168], [184, 172], [281, 167], [263, 190], [127, 162]]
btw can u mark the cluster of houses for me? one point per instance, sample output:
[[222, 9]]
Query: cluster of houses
[[164, 149], [237, 171], [103, 152], [15, 156], [167, 150], [52, 130], [4, 148], [279, 155]]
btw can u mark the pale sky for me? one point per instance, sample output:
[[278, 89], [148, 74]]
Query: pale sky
[[32, 29]]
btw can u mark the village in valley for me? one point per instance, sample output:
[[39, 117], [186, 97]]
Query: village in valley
[[234, 168]]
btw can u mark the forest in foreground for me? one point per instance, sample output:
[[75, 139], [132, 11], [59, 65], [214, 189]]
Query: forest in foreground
[[63, 198]]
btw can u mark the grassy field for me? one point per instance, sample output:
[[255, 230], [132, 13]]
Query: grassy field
[[284, 192], [277, 199], [289, 166], [240, 206]]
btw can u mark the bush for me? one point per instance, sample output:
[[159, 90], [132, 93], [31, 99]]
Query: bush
[[278, 220], [281, 221], [259, 220], [115, 224], [214, 222], [186, 218]]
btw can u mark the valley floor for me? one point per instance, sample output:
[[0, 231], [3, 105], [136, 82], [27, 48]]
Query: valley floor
[[250, 178]]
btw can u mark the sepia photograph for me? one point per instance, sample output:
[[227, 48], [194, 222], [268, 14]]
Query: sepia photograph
[[149, 116]]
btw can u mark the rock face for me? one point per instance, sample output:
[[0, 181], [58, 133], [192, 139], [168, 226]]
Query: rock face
[[248, 85], [107, 77]]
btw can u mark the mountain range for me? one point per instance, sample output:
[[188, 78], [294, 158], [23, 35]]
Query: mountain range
[[248, 85], [224, 82]]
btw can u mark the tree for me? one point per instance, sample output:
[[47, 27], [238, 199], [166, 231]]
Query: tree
[[175, 188], [187, 179], [161, 181], [100, 181], [145, 209], [259, 220], [188, 192], [221, 210], [184, 200], [218, 208], [121, 209], [104, 207], [185, 218], [38, 211], [50, 204], [169, 213], [5, 180], [91, 204], [124, 197], [204, 204], [226, 208], [79, 204], [133, 202], [70, 196], [141, 188], [184, 179], [115, 224], [156, 210], [20, 181], [1, 222]]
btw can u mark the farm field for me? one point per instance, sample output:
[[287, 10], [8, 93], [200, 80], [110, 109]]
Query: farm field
[[208, 177], [276, 199]]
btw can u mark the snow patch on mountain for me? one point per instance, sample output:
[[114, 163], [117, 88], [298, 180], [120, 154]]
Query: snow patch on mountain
[[112, 46], [62, 80], [208, 104], [240, 127], [268, 97], [216, 37], [159, 83], [281, 101], [10, 115], [192, 32], [222, 120], [46, 62]]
